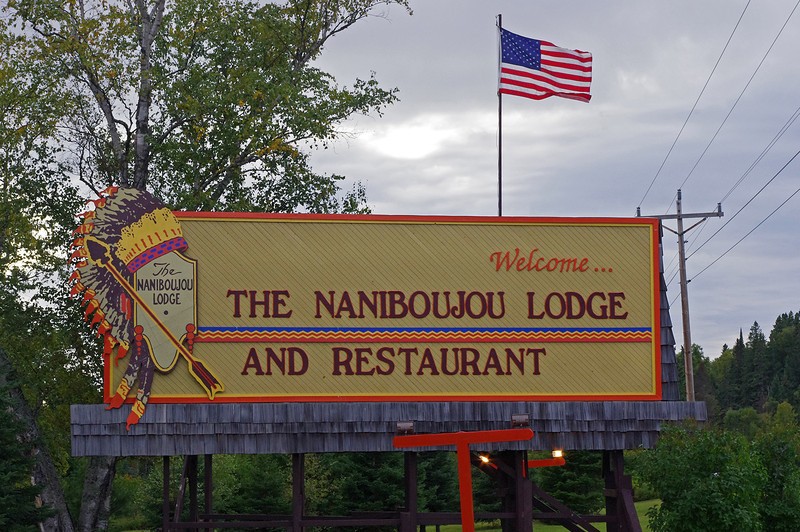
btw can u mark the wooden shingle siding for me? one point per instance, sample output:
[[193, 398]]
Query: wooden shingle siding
[[265, 428], [669, 366]]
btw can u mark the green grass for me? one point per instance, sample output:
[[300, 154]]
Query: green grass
[[641, 511]]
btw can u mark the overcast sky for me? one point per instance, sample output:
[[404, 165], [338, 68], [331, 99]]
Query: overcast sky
[[435, 151]]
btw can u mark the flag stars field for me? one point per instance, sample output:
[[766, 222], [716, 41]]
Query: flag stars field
[[539, 69]]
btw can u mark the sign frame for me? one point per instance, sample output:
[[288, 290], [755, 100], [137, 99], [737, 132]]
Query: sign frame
[[651, 225]]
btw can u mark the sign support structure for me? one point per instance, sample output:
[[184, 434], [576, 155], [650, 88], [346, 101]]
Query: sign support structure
[[499, 121]]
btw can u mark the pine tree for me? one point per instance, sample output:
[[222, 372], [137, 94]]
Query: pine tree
[[578, 483], [18, 509], [737, 374], [758, 379], [438, 482]]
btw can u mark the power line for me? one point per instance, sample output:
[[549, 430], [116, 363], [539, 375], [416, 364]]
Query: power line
[[766, 149], [746, 204], [694, 106], [735, 103], [752, 166], [749, 233]]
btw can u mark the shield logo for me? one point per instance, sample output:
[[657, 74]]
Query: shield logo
[[167, 285]]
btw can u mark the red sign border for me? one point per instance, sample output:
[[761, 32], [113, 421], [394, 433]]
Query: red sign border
[[422, 219]]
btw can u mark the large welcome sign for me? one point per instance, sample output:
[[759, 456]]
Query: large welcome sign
[[378, 308]]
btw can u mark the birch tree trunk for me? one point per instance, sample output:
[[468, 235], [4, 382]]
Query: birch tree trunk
[[96, 505], [44, 473]]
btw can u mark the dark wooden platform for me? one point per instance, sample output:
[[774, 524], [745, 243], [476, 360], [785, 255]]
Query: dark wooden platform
[[265, 428]]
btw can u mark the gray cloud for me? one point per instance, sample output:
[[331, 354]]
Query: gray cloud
[[435, 152]]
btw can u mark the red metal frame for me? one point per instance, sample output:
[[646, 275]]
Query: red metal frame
[[462, 441], [546, 462]]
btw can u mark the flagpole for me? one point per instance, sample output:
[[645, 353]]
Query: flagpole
[[499, 121]]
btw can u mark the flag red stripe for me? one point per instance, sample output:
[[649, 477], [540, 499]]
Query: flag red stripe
[[562, 82], [513, 70], [569, 66], [583, 57], [554, 87], [576, 76], [542, 96]]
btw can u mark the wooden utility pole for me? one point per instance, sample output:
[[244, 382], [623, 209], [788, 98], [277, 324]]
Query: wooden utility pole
[[687, 334]]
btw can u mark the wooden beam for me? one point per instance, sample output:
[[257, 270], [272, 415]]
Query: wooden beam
[[298, 491], [208, 485], [523, 494], [165, 494], [191, 462], [408, 521]]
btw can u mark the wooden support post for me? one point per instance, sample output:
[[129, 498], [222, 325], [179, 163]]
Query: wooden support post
[[505, 489], [176, 518], [191, 461], [208, 486], [610, 494], [509, 469], [298, 491], [619, 494], [408, 522], [165, 495], [523, 494]]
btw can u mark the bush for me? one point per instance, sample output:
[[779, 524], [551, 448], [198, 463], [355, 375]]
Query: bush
[[707, 480]]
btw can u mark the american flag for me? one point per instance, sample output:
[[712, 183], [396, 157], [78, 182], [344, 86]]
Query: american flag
[[539, 69]]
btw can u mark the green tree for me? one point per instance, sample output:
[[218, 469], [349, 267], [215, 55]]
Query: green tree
[[760, 376], [438, 482], [578, 483], [778, 448], [784, 348], [745, 421], [707, 480], [210, 105], [363, 482], [18, 509], [240, 102], [256, 484], [721, 375], [704, 385]]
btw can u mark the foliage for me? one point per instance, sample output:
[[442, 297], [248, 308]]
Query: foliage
[[578, 483], [55, 360], [703, 379], [127, 515], [642, 491], [255, 484], [34, 202], [213, 105], [707, 480], [362, 482], [18, 509], [438, 482], [745, 421], [240, 102], [778, 448]]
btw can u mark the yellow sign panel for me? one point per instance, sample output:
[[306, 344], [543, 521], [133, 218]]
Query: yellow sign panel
[[377, 308]]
